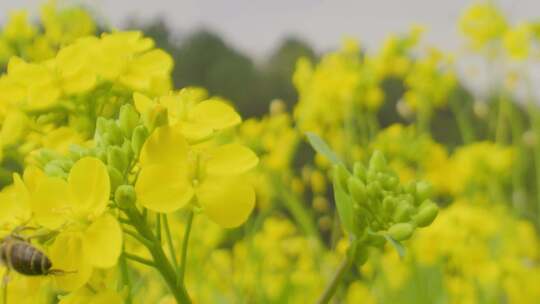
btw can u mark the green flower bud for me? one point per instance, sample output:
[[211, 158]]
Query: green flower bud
[[77, 152], [427, 213], [374, 190], [128, 120], [423, 191], [114, 134], [390, 182], [360, 171], [410, 188], [117, 159], [401, 231], [101, 153], [52, 169], [64, 164], [137, 140], [126, 150], [389, 204], [101, 127], [377, 162], [115, 176], [403, 212], [125, 196], [45, 156], [357, 189]]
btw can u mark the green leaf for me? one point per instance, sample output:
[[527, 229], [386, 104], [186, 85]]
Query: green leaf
[[343, 203], [322, 148], [397, 246]]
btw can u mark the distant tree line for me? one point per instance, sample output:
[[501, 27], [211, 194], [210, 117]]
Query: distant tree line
[[203, 58]]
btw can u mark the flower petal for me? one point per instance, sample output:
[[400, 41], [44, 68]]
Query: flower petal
[[68, 254], [163, 188], [231, 159], [49, 202], [142, 103], [165, 145], [103, 241], [195, 132], [227, 202], [90, 186], [215, 113]]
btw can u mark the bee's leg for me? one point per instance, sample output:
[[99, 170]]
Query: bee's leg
[[59, 272], [38, 234]]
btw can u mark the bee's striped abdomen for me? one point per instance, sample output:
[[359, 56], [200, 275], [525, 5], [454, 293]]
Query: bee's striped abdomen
[[25, 258]]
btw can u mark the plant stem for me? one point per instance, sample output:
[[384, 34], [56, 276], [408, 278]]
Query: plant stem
[[138, 259], [185, 243], [170, 241], [466, 130], [125, 279], [162, 264], [332, 287]]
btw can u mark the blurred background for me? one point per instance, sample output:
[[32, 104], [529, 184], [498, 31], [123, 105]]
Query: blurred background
[[260, 41]]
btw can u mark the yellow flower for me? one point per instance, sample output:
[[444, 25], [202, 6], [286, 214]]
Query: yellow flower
[[197, 118], [482, 23], [173, 174], [90, 236], [517, 41], [18, 27]]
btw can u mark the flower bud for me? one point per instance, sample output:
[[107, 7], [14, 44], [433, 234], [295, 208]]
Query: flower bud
[[116, 158], [115, 176], [389, 204], [427, 213], [45, 156], [52, 169], [377, 162], [114, 134], [389, 182], [101, 127], [64, 164], [374, 190], [140, 133], [423, 191], [403, 212], [357, 189], [128, 119], [401, 231], [359, 171], [77, 152], [125, 196]]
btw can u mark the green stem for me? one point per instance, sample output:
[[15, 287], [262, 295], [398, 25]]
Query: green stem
[[332, 287], [158, 256], [138, 259], [534, 113], [170, 241], [158, 227], [185, 243], [499, 132], [125, 279], [466, 130]]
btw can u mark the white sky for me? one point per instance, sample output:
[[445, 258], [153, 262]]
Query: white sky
[[256, 26]]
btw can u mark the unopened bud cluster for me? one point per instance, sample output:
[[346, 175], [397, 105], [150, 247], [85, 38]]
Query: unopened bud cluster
[[117, 143], [381, 206]]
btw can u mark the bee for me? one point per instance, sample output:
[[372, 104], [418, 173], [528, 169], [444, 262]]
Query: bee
[[18, 254], [21, 256]]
